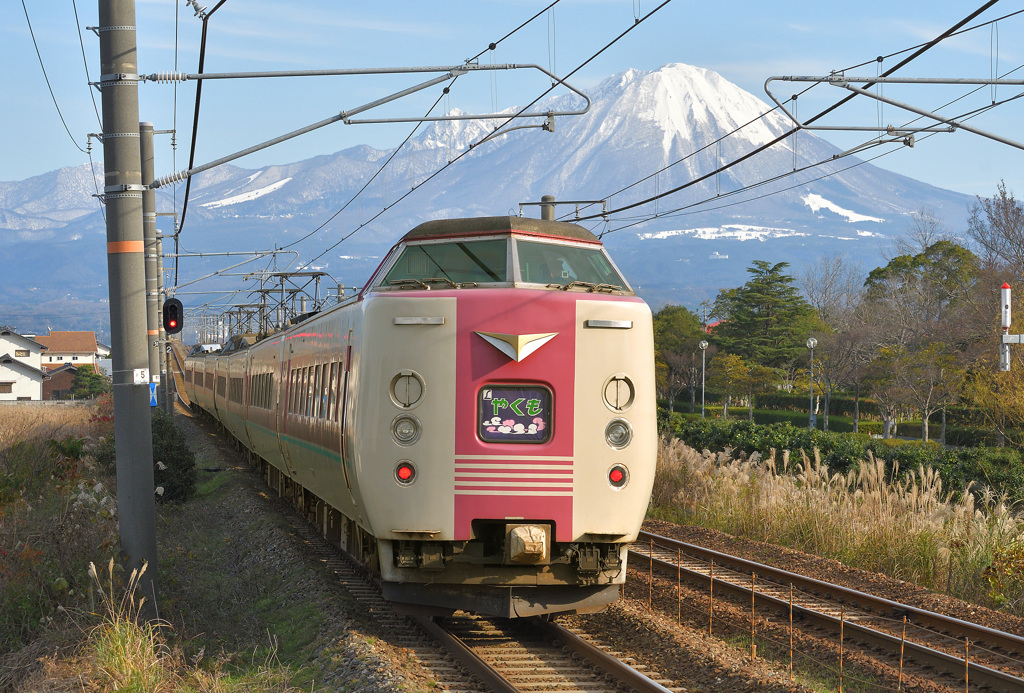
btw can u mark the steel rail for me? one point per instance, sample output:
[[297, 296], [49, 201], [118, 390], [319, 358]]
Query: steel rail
[[920, 653], [598, 661], [487, 674], [615, 668]]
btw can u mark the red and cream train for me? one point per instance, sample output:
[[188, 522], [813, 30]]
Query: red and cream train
[[477, 425]]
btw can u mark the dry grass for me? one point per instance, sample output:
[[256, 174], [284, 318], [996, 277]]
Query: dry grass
[[125, 652], [56, 511], [20, 422], [908, 528]]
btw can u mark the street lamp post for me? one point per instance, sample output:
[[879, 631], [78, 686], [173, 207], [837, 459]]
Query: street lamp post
[[703, 353], [813, 419]]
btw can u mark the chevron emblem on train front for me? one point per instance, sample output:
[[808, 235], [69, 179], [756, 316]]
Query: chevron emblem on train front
[[517, 346]]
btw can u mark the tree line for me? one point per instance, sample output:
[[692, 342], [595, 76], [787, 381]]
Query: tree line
[[917, 335]]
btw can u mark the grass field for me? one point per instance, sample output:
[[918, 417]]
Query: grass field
[[909, 528], [58, 521]]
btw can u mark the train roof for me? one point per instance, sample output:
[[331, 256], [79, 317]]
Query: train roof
[[447, 228]]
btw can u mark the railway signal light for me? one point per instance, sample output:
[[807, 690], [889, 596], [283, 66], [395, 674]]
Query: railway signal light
[[174, 316]]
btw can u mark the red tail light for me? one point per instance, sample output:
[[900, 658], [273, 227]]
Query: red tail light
[[405, 472], [618, 476]]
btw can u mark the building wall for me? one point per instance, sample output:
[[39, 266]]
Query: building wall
[[59, 385], [15, 347], [75, 358], [22, 385]]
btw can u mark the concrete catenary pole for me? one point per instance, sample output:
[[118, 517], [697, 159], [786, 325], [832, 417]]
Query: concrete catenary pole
[[149, 236], [127, 281], [167, 376]]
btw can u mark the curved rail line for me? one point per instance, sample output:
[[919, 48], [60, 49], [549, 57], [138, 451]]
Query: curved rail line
[[865, 618], [178, 372], [505, 655]]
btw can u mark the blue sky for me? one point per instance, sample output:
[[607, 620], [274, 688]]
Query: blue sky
[[746, 43]]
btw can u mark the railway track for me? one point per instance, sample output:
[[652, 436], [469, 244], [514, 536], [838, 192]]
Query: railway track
[[986, 657], [534, 655], [467, 654]]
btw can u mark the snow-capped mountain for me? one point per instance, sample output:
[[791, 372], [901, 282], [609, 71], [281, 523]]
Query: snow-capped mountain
[[668, 120]]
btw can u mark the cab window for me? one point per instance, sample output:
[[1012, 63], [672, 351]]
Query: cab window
[[550, 263], [477, 262]]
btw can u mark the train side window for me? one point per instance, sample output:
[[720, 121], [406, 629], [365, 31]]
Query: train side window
[[317, 389], [307, 395], [332, 392]]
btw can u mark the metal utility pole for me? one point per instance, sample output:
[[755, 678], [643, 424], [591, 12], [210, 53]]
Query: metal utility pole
[[152, 253], [127, 281]]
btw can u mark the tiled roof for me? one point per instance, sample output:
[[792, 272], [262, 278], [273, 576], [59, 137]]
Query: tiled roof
[[65, 342], [52, 368]]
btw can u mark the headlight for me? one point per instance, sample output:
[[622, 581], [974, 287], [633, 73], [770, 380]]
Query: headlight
[[619, 392], [407, 389], [618, 433], [406, 429]]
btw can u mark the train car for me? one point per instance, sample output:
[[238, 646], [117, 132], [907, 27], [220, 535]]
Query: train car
[[477, 426]]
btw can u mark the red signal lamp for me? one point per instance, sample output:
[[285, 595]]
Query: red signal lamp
[[174, 313]]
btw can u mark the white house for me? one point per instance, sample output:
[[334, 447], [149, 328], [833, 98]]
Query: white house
[[21, 373], [24, 348]]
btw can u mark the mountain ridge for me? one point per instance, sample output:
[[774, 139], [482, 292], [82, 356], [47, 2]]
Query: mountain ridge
[[640, 122]]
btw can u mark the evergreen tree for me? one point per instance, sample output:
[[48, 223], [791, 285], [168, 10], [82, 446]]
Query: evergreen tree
[[88, 383], [766, 321]]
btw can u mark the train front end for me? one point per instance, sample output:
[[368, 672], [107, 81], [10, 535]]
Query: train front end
[[506, 436]]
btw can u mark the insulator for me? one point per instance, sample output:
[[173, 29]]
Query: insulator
[[167, 180], [168, 77]]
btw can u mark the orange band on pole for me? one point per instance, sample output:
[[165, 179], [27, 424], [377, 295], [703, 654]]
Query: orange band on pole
[[153, 332], [125, 247]]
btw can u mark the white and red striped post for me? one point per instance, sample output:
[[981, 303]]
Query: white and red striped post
[[1004, 343]]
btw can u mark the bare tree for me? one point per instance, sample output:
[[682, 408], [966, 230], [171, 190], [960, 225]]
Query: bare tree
[[925, 230], [834, 287], [996, 225]]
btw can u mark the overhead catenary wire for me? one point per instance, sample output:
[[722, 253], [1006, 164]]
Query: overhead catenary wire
[[95, 108], [39, 55], [195, 128], [511, 118], [794, 98], [967, 115], [195, 124], [679, 211], [917, 53]]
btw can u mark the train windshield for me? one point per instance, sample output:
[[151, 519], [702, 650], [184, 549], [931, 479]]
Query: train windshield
[[453, 263], [567, 265]]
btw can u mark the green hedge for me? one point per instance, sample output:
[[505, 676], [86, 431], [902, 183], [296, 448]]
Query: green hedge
[[999, 468]]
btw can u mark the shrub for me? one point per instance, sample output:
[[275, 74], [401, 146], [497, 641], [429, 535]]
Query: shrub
[[55, 509], [1000, 469], [174, 465]]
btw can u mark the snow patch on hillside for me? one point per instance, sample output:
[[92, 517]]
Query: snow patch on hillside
[[817, 202], [735, 232], [245, 197]]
